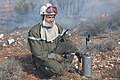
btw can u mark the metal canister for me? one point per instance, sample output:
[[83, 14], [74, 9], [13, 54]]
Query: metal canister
[[87, 66]]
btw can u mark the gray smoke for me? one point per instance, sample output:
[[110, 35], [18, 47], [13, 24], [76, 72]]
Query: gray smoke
[[71, 12]]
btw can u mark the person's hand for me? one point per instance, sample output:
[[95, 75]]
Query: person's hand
[[79, 56], [59, 57], [55, 56], [51, 56]]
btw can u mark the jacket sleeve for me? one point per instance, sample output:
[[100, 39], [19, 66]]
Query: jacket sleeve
[[66, 36], [35, 45], [67, 39]]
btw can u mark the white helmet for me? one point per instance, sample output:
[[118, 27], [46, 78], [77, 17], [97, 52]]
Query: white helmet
[[48, 9]]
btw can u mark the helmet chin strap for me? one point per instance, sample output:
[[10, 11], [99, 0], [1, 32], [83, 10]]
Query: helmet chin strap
[[42, 16]]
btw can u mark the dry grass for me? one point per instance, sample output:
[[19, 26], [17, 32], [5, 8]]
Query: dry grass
[[11, 69]]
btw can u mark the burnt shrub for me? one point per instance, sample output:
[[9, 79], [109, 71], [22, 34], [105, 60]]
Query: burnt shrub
[[93, 28], [104, 45], [107, 45], [11, 69], [24, 7]]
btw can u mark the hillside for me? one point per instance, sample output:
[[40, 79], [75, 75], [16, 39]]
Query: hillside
[[98, 18], [105, 64]]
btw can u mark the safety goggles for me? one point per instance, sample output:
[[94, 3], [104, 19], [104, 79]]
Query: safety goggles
[[51, 9]]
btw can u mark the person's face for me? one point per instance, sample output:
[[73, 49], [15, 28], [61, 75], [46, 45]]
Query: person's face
[[50, 19]]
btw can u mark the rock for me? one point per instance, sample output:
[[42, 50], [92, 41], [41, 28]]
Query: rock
[[5, 57], [4, 44], [112, 65], [10, 40], [118, 42], [1, 36], [84, 78]]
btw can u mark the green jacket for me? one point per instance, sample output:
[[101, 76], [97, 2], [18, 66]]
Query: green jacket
[[41, 48]]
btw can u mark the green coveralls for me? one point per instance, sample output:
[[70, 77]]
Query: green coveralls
[[41, 48]]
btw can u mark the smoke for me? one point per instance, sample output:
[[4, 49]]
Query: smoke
[[93, 8], [73, 12], [70, 12]]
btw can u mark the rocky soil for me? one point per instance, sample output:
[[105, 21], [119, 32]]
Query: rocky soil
[[105, 63]]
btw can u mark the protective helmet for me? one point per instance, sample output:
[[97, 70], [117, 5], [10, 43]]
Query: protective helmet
[[48, 9]]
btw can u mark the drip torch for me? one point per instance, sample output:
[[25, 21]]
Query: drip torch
[[87, 60]]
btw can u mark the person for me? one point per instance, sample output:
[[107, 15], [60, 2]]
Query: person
[[50, 43]]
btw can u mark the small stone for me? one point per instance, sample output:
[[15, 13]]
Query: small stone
[[84, 78], [4, 44], [1, 36], [106, 66], [10, 40], [6, 57], [118, 42], [112, 65]]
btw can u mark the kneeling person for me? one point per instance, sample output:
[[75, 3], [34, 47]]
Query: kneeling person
[[48, 42]]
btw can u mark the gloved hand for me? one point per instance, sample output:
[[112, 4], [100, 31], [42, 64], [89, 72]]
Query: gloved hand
[[79, 56], [55, 56]]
